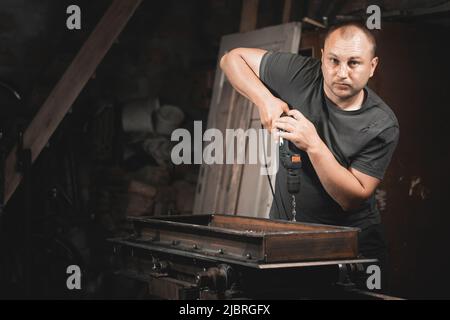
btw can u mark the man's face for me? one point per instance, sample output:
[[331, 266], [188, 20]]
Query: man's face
[[347, 63]]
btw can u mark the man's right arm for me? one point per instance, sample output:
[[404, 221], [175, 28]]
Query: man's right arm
[[241, 66]]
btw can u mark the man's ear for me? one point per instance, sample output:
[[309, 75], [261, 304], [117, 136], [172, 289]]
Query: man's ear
[[373, 65], [321, 55]]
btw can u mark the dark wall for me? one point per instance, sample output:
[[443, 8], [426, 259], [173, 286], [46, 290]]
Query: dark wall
[[413, 79]]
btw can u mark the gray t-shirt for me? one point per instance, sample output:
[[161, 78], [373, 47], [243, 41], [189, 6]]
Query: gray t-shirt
[[363, 139]]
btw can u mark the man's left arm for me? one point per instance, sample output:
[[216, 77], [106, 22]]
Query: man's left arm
[[348, 187]]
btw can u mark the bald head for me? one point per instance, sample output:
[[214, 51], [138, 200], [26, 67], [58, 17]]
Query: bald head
[[355, 31], [348, 61]]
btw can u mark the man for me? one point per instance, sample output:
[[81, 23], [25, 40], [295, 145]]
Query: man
[[345, 133]]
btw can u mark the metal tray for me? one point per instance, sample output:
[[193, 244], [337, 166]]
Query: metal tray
[[242, 239]]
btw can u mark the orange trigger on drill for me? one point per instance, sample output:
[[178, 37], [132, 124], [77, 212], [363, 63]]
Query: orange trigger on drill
[[296, 158]]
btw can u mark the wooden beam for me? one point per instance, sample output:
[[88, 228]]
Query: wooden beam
[[287, 11], [69, 87], [249, 15]]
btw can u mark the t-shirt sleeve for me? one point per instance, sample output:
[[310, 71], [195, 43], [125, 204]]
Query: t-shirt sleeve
[[374, 159], [284, 73]]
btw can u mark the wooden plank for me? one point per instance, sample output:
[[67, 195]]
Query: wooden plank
[[264, 225], [255, 197], [287, 11], [69, 86], [310, 246], [249, 15], [240, 117]]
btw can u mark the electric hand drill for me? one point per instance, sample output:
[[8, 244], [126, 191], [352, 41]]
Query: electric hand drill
[[292, 162]]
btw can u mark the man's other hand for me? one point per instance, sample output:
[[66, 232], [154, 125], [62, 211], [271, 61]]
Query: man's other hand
[[298, 130], [270, 111]]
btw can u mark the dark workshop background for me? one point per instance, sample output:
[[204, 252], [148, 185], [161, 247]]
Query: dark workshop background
[[93, 173]]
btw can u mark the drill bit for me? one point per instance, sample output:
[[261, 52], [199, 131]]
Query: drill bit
[[294, 212]]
